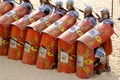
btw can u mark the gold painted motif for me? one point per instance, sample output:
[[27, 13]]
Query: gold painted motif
[[80, 33], [87, 70], [62, 29], [47, 23], [88, 61], [34, 49], [32, 20], [50, 53], [98, 39], [15, 17]]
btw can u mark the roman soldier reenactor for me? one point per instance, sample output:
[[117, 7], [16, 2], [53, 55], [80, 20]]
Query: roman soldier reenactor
[[106, 46]]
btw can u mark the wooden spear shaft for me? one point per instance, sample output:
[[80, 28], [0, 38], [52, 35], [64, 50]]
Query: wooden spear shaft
[[112, 8]]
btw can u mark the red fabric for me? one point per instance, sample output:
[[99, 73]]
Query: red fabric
[[108, 47]]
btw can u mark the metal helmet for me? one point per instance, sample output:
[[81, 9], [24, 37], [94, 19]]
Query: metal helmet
[[88, 8], [70, 2], [105, 10], [60, 2]]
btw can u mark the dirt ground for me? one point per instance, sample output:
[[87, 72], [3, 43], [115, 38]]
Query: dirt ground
[[16, 70]]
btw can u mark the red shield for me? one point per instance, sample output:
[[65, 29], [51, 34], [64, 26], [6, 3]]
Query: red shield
[[5, 7], [5, 22], [32, 43], [67, 46], [48, 46], [86, 45], [18, 33], [98, 35]]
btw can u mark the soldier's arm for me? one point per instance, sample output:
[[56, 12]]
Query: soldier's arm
[[20, 1]]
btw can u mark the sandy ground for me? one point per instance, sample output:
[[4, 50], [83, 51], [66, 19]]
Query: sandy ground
[[16, 70]]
